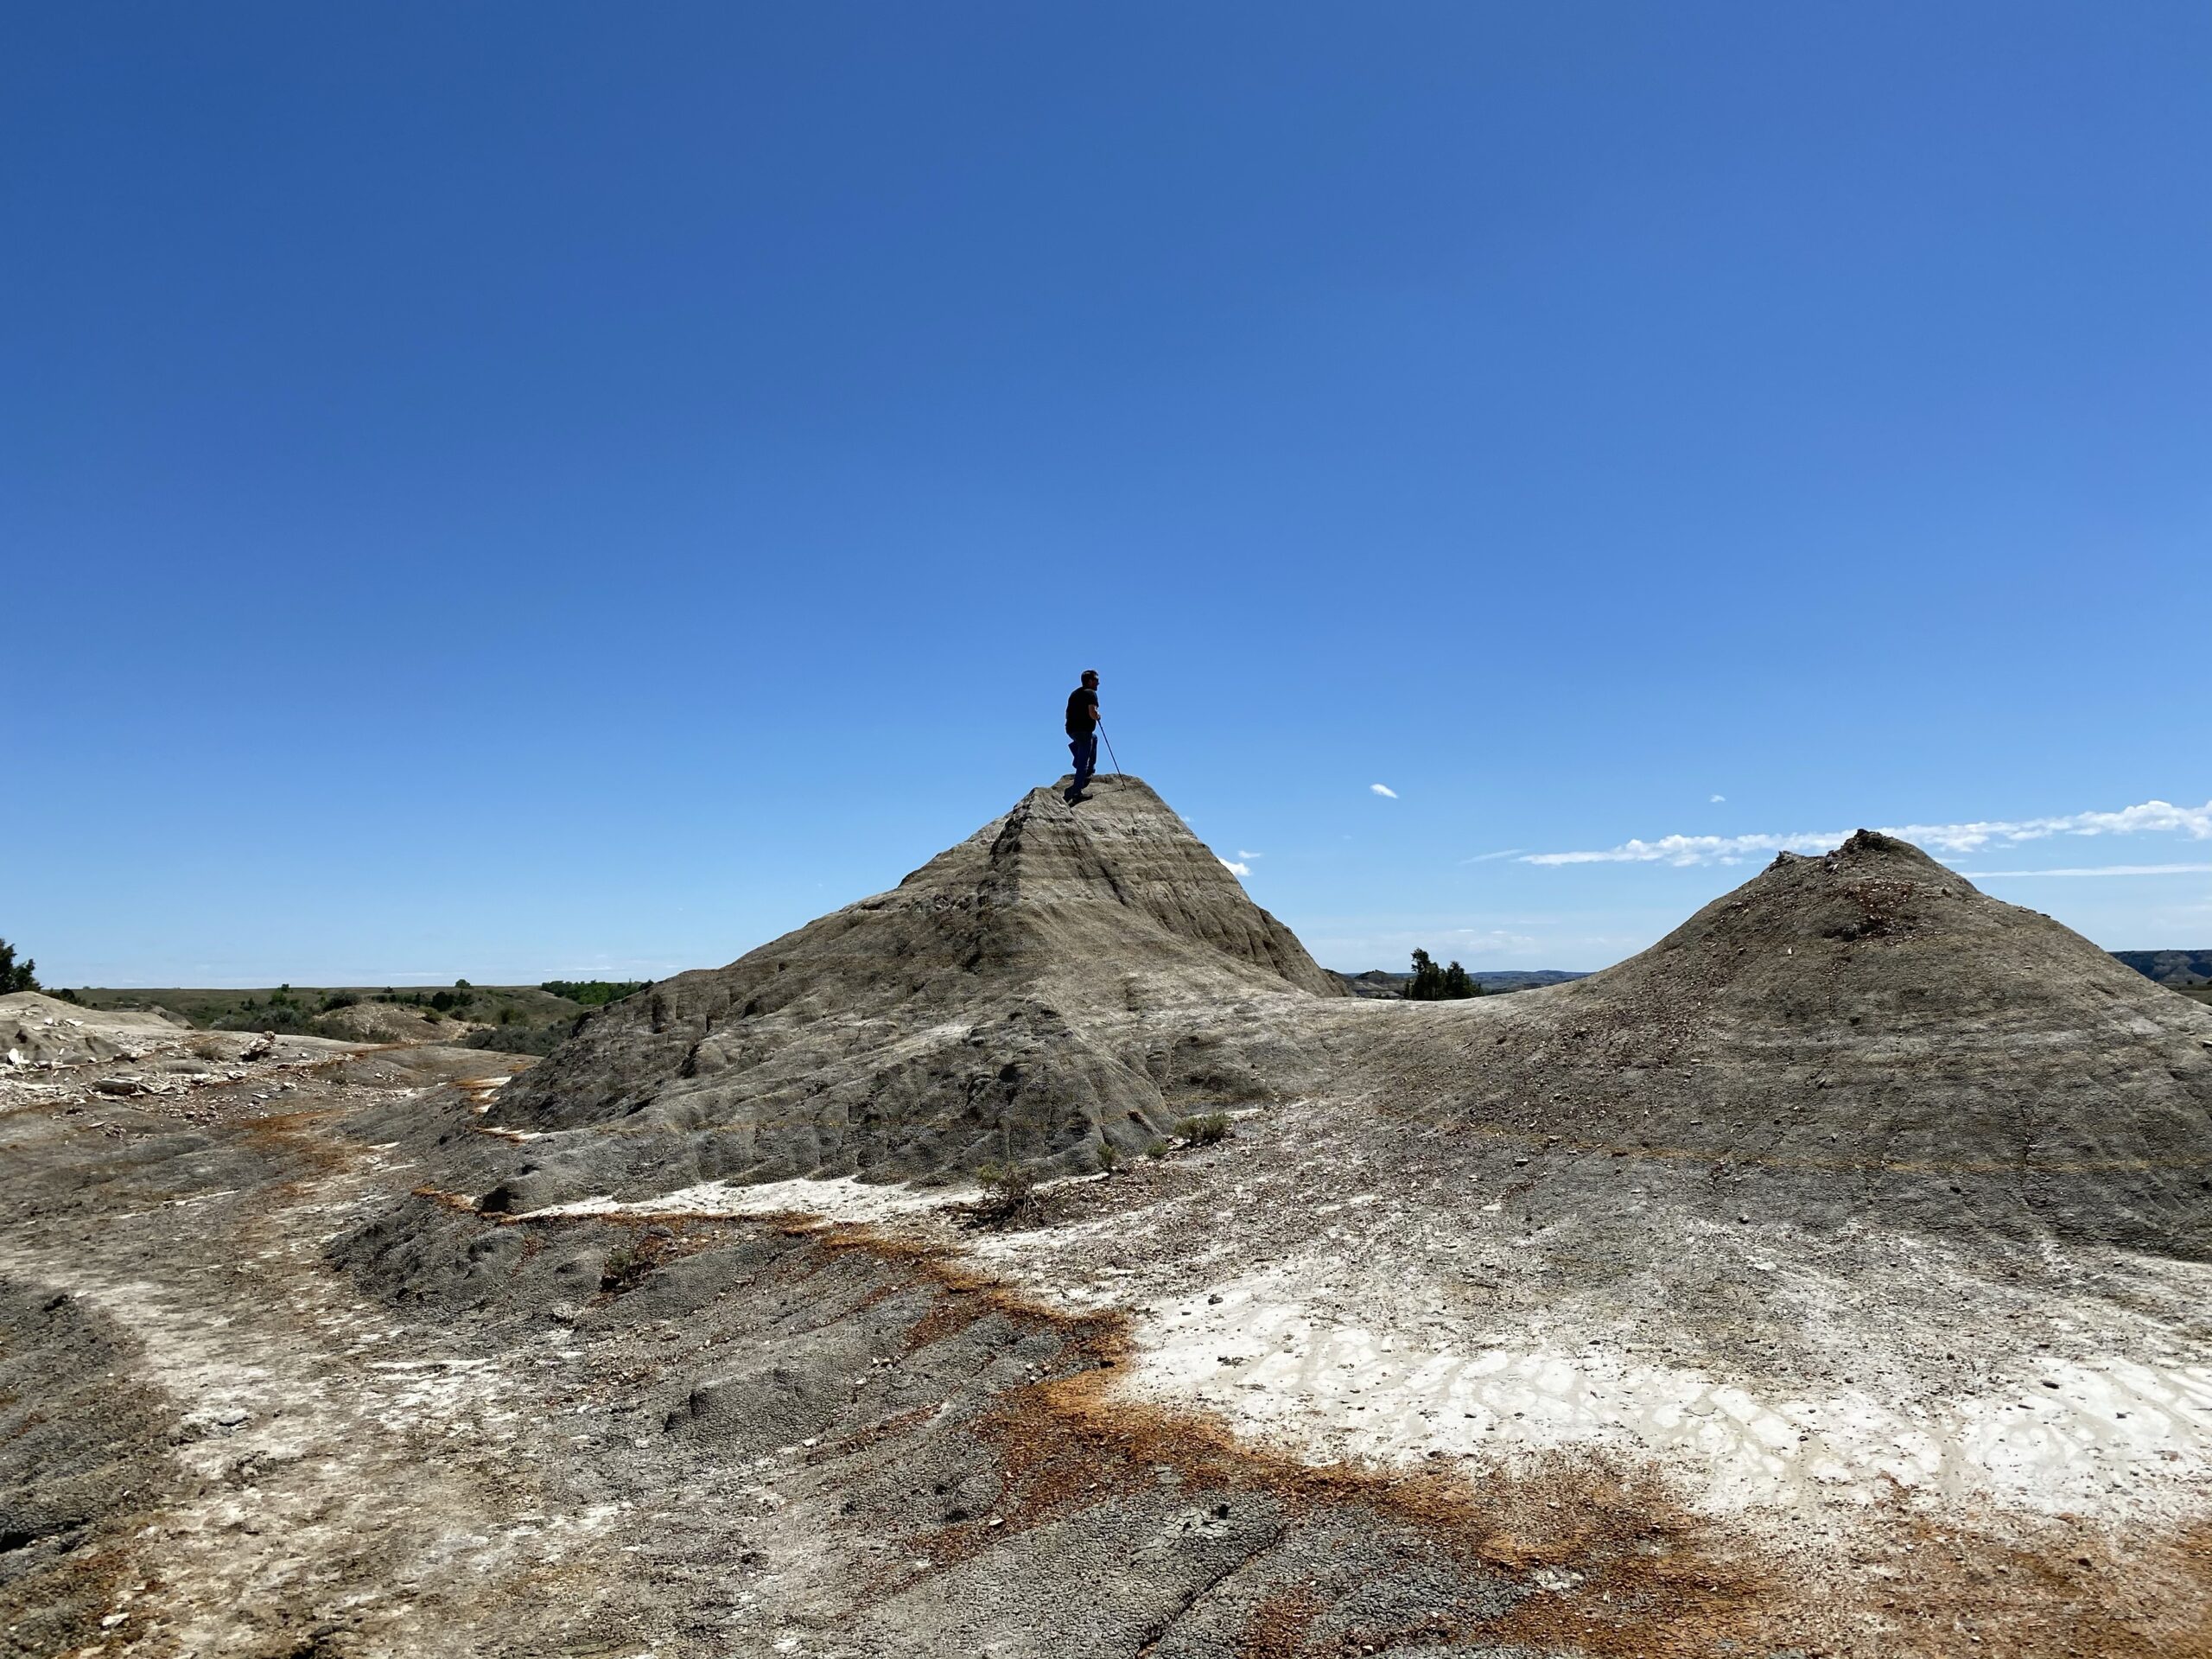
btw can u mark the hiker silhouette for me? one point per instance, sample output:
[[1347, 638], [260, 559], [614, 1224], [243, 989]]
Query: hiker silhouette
[[1082, 733]]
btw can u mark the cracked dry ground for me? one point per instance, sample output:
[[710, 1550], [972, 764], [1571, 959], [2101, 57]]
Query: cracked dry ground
[[259, 1398]]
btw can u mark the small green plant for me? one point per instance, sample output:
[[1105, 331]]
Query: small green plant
[[1110, 1156], [1205, 1130], [1157, 1149], [631, 1262], [1009, 1189]]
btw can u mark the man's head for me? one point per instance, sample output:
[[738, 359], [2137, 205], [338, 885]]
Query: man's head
[[1090, 679]]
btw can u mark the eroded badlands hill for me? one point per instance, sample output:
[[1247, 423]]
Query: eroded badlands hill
[[1066, 975], [1862, 1036], [1859, 1037]]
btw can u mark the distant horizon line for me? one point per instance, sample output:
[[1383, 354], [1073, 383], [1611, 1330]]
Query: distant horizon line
[[415, 982]]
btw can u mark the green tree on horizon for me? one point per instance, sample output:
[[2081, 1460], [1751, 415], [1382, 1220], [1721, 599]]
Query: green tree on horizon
[[1431, 984], [14, 975]]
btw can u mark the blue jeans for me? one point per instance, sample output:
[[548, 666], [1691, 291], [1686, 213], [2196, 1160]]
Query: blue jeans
[[1085, 751]]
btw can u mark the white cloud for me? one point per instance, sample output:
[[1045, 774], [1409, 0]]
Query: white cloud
[[2149, 818], [1485, 858], [1385, 790], [1716, 800], [1233, 867], [2099, 869], [1242, 852]]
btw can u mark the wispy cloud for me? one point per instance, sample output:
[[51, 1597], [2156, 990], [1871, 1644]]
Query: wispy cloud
[[1485, 858], [1716, 800], [1384, 789], [2099, 869], [2151, 818], [1233, 867], [1246, 853]]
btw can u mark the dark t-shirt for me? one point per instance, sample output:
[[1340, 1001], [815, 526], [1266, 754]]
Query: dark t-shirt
[[1081, 721]]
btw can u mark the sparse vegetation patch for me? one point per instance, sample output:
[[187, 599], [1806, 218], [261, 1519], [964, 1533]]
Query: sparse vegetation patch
[[1206, 1129], [592, 992]]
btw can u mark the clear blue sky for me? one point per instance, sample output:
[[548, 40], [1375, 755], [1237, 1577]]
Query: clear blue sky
[[505, 490]]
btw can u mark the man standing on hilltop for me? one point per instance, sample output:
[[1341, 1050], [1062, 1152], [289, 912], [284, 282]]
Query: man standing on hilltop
[[1082, 733]]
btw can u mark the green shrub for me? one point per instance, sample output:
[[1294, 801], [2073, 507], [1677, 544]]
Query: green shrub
[[632, 1260], [1206, 1129], [1109, 1155], [1009, 1189], [1157, 1149], [15, 975]]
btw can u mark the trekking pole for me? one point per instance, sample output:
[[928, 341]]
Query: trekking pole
[[1110, 755]]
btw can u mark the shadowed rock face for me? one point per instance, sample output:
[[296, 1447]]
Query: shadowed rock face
[[1052, 981], [1862, 1035]]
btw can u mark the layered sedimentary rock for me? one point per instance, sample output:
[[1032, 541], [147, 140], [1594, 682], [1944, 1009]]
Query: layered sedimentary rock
[[1066, 976], [1862, 1037]]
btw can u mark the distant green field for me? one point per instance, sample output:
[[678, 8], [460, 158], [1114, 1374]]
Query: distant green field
[[525, 1019]]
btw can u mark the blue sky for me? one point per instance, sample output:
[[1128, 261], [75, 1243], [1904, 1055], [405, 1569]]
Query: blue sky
[[527, 489]]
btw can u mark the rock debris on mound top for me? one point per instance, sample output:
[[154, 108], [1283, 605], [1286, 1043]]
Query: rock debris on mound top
[[1064, 977]]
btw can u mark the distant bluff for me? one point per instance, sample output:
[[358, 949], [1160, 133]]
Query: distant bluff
[[1861, 1036], [1064, 976]]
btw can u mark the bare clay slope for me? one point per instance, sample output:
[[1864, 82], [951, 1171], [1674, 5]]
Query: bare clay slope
[[1858, 1036], [1031, 990]]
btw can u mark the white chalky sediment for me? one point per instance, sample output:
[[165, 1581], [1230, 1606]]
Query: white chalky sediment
[[1327, 1389]]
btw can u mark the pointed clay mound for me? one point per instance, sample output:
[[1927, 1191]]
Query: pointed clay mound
[[1054, 979], [1863, 1034]]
